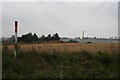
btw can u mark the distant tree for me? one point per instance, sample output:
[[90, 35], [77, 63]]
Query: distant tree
[[32, 38], [42, 37], [35, 37], [56, 36], [29, 37], [73, 41], [12, 38], [19, 39], [89, 42], [49, 37]]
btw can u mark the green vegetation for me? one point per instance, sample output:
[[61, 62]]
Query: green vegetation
[[28, 38], [43, 64], [73, 41]]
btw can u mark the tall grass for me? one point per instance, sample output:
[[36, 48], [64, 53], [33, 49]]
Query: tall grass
[[69, 47], [45, 64]]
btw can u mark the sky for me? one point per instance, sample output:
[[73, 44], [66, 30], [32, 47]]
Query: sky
[[68, 19], [0, 19], [59, 0]]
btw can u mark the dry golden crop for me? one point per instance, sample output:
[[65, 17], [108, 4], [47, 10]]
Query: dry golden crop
[[69, 47]]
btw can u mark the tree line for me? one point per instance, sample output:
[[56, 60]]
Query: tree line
[[29, 37]]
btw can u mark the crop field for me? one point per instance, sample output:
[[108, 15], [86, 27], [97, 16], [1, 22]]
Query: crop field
[[61, 60], [68, 47]]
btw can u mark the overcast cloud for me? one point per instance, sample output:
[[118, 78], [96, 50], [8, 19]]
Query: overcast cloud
[[0, 20], [68, 19]]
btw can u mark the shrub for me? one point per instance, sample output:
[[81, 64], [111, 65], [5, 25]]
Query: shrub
[[73, 41], [89, 42]]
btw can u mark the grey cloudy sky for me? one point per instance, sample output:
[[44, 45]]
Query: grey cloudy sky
[[68, 19]]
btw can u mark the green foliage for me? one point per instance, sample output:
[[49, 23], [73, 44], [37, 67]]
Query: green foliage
[[43, 64], [29, 37], [73, 41], [55, 37], [34, 38], [42, 37]]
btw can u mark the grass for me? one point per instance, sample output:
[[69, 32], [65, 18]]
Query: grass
[[55, 64], [69, 47]]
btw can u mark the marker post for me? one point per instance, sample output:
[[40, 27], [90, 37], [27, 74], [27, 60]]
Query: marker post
[[15, 44]]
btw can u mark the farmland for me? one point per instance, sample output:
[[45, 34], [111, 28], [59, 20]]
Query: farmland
[[68, 47], [61, 60]]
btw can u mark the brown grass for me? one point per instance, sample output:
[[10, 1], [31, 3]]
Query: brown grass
[[69, 47]]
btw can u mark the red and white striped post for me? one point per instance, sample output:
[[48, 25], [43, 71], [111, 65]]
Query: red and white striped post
[[16, 26]]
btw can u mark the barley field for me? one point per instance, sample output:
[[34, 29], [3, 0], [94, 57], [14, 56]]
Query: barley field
[[69, 47]]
